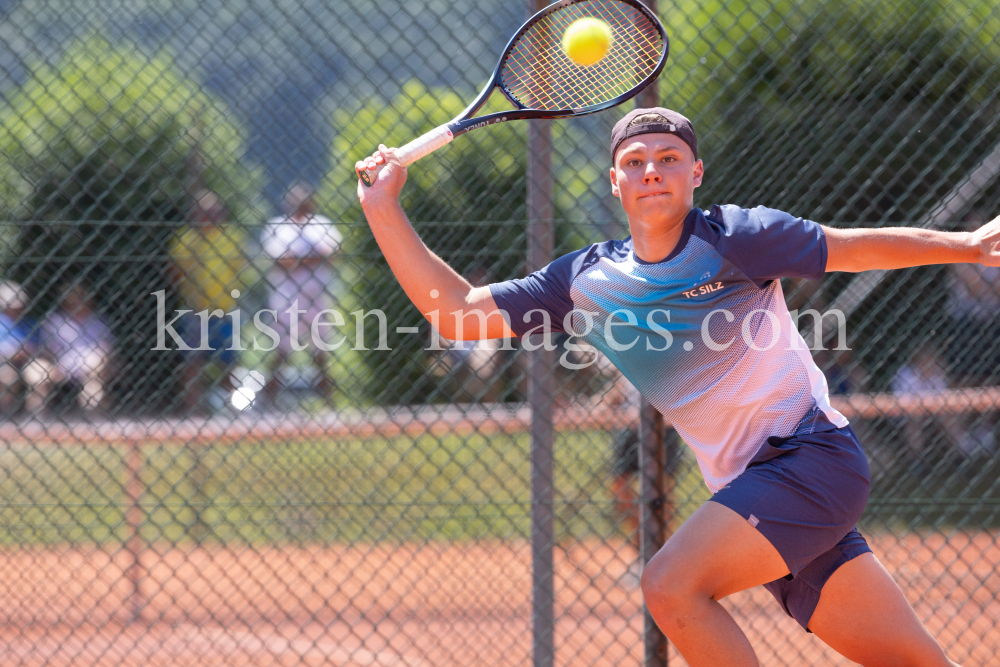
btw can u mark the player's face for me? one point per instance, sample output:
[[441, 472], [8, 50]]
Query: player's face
[[655, 176]]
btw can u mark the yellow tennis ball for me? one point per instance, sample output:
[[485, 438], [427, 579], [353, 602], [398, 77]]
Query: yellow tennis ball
[[587, 40]]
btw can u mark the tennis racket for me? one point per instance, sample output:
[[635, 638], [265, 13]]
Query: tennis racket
[[541, 81]]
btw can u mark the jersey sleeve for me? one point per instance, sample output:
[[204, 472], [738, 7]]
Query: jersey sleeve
[[546, 290], [767, 244]]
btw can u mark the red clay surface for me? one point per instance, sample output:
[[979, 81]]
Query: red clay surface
[[421, 605]]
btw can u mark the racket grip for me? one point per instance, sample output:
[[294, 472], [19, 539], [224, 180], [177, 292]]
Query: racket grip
[[424, 145], [418, 148]]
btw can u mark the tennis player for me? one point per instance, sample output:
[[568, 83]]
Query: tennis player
[[691, 310]]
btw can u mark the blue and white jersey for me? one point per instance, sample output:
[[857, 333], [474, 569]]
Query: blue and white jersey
[[704, 334]]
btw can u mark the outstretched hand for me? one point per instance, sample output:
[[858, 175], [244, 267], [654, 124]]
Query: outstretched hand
[[386, 173], [987, 239]]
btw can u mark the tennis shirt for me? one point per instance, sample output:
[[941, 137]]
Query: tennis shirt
[[704, 334]]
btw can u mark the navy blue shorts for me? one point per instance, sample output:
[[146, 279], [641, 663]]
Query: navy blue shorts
[[805, 494]]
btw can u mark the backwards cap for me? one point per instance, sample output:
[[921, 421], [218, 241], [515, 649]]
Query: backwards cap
[[654, 119]]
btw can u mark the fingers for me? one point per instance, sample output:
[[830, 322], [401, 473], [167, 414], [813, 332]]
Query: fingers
[[374, 163], [388, 154], [369, 164]]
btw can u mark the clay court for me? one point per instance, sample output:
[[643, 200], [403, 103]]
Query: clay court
[[430, 601], [420, 605]]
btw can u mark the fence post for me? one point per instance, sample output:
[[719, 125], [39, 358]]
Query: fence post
[[653, 462], [541, 387], [133, 523]]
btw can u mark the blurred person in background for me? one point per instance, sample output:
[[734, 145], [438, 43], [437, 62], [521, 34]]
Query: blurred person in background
[[623, 397], [13, 338], [302, 245], [973, 309], [471, 366], [844, 375], [81, 345], [210, 270], [21, 369], [924, 376], [973, 339]]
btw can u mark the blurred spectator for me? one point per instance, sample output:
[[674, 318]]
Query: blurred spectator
[[80, 344], [843, 374], [471, 366], [973, 309], [302, 245], [622, 396], [973, 336], [210, 270], [924, 375], [13, 354], [20, 370], [802, 294]]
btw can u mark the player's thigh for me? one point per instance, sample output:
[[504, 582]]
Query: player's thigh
[[716, 553], [863, 615]]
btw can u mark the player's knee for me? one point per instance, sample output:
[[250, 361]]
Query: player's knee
[[667, 585]]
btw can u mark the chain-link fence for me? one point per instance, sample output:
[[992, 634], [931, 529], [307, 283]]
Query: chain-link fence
[[366, 493]]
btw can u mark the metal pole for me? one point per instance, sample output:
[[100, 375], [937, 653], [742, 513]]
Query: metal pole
[[653, 462], [656, 456], [133, 521], [541, 388]]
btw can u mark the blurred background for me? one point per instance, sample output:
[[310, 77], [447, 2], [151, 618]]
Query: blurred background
[[370, 502]]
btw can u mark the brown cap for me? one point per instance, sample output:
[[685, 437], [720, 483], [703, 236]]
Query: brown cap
[[654, 119]]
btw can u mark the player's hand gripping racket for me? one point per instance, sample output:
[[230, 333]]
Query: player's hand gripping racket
[[540, 79]]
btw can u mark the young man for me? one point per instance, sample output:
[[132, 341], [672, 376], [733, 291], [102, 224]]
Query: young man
[[691, 310], [301, 244], [210, 269]]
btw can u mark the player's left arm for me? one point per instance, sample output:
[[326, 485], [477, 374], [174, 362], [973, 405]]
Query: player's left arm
[[856, 250]]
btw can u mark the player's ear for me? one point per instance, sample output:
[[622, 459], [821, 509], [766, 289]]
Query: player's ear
[[699, 173], [614, 183]]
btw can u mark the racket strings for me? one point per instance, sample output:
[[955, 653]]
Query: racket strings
[[551, 84], [539, 74]]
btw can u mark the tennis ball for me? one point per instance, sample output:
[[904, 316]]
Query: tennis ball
[[587, 40]]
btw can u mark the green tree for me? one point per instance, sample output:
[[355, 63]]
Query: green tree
[[101, 151], [839, 111], [467, 201]]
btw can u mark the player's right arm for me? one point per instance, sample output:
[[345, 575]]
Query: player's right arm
[[427, 279]]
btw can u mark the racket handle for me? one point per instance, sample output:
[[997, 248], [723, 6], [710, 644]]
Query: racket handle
[[425, 145], [418, 148]]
